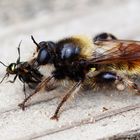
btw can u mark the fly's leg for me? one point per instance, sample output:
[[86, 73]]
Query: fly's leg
[[131, 85], [38, 88], [108, 77], [65, 98]]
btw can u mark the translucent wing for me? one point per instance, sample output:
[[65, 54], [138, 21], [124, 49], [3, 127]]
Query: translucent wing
[[116, 51]]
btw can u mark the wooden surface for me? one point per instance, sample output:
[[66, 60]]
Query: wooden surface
[[83, 118]]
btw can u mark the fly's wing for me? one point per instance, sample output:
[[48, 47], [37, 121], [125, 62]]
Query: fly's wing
[[115, 51]]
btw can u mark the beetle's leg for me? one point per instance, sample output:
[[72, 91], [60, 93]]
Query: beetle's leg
[[24, 90], [12, 81]]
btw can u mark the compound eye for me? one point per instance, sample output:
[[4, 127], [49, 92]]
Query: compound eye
[[43, 56], [104, 36], [69, 51], [11, 68]]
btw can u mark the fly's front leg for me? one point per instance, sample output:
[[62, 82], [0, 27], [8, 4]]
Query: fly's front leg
[[38, 88]]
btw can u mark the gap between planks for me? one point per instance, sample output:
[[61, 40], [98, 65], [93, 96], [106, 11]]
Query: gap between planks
[[89, 120]]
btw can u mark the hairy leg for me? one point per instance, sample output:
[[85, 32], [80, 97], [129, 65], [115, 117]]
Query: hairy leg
[[65, 98], [38, 88]]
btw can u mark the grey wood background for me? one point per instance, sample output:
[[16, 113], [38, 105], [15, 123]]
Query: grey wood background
[[83, 118]]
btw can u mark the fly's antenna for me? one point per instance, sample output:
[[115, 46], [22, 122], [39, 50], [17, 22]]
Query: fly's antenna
[[3, 64], [38, 47]]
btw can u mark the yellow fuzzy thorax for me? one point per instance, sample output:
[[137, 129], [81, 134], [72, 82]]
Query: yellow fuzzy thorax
[[84, 43]]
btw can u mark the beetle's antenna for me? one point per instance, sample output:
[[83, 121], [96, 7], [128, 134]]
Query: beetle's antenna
[[3, 64], [18, 60], [6, 75], [38, 47]]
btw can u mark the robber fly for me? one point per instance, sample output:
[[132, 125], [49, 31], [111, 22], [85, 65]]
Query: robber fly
[[24, 71], [77, 56]]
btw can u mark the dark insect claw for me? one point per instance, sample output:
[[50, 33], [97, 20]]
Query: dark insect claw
[[22, 106], [137, 93], [54, 117]]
